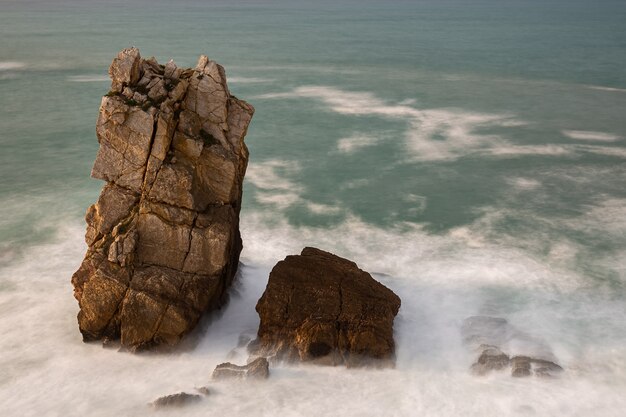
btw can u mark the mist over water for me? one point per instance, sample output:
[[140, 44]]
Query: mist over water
[[472, 158]]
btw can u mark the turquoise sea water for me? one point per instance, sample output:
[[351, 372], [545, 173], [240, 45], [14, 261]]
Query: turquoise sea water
[[472, 153]]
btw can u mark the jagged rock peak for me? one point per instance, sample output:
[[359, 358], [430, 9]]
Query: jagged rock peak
[[163, 236]]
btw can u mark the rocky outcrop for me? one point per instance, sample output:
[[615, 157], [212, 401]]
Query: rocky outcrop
[[175, 400], [163, 236], [257, 369], [492, 337], [322, 308]]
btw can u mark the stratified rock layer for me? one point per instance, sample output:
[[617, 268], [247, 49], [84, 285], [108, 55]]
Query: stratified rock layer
[[323, 308], [163, 236]]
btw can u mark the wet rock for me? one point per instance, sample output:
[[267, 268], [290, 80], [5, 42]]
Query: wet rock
[[491, 359], [546, 369], [503, 346], [322, 308], [175, 400], [257, 369], [520, 366], [163, 236]]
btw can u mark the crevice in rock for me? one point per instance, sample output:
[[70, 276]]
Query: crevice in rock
[[193, 225]]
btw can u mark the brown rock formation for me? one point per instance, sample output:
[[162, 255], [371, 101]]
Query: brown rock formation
[[323, 308], [163, 236]]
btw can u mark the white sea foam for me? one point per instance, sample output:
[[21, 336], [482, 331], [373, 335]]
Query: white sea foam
[[280, 201], [440, 279], [276, 189], [522, 150], [270, 175], [432, 134], [11, 65], [522, 183], [591, 136], [271, 178], [88, 78], [355, 142], [318, 208], [612, 89], [618, 152], [443, 134]]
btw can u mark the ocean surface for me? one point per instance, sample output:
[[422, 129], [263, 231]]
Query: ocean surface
[[470, 154]]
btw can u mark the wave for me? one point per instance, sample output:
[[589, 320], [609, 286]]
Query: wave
[[617, 152], [442, 134], [612, 89], [522, 183], [441, 279], [11, 65], [356, 142], [273, 187], [523, 150], [425, 127], [591, 136]]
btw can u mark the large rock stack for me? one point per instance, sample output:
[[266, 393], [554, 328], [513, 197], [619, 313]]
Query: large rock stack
[[163, 236]]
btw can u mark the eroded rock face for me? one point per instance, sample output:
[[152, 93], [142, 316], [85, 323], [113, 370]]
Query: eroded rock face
[[323, 308], [163, 236]]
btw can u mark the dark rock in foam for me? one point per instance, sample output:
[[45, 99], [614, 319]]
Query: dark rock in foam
[[163, 236], [493, 336], [175, 400]]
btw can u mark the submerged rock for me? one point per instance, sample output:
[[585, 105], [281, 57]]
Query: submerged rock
[[493, 336], [323, 308], [163, 236], [257, 369], [175, 400], [204, 391], [520, 366], [491, 359]]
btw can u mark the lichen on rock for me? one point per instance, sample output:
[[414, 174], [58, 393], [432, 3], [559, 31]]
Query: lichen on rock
[[163, 236]]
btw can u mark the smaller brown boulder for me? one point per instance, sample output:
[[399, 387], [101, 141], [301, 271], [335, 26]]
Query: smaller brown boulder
[[322, 308]]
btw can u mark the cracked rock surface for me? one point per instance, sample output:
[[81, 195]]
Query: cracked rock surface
[[321, 308], [163, 236]]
